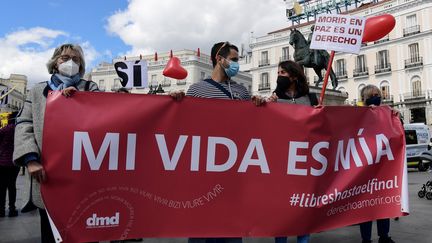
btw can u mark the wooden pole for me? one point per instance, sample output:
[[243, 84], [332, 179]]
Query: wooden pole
[[329, 66]]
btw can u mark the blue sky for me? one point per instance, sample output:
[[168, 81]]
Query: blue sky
[[30, 30], [82, 20]]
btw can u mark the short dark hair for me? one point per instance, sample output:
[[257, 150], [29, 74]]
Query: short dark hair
[[296, 71], [222, 49]]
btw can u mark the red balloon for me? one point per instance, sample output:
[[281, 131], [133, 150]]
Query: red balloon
[[173, 69], [377, 27]]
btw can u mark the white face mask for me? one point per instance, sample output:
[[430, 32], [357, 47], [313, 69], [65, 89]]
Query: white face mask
[[69, 68]]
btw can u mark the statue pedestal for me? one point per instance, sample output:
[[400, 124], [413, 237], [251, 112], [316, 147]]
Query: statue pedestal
[[332, 97]]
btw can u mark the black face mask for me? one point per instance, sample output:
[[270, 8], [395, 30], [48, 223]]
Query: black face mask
[[283, 83], [374, 100]]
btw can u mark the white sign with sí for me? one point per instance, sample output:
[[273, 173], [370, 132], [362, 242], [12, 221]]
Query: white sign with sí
[[338, 33], [132, 73]]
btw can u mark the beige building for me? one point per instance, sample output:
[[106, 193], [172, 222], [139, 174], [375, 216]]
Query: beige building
[[198, 68], [16, 87], [398, 63]]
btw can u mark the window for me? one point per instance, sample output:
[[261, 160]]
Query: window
[[154, 78], [264, 59], [116, 84], [361, 63], [341, 68], [414, 59], [411, 26], [264, 55], [264, 84], [285, 54], [416, 88], [383, 59], [265, 79], [102, 84], [360, 67], [203, 75], [411, 137], [414, 52], [411, 20], [385, 90]]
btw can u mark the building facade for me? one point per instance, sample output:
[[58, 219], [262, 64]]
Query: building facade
[[397, 63], [198, 66], [16, 88]]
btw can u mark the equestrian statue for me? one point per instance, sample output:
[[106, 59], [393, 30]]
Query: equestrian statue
[[316, 59]]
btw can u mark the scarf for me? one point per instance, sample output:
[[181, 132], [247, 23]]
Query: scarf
[[60, 82]]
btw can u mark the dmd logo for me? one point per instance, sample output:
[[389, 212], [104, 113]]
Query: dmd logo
[[103, 222]]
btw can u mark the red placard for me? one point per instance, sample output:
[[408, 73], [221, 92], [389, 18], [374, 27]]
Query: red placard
[[128, 166]]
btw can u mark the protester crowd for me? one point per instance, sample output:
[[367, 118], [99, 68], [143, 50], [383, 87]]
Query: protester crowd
[[21, 139]]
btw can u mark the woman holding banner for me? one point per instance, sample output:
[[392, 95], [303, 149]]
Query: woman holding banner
[[292, 88], [67, 67], [371, 95]]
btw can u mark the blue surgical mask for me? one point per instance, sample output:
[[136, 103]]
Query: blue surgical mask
[[374, 100], [232, 69]]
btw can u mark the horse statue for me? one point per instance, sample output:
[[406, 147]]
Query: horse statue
[[316, 59]]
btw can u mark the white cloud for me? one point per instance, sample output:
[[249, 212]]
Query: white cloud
[[28, 50], [155, 25]]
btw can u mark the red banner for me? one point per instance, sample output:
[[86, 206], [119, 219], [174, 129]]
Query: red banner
[[128, 166]]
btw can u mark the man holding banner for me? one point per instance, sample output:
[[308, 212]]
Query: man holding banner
[[224, 57]]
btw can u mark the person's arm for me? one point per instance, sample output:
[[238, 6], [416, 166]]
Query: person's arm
[[26, 150], [25, 140]]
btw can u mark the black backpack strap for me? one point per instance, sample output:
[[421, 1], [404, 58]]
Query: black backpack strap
[[313, 99], [87, 86], [219, 86]]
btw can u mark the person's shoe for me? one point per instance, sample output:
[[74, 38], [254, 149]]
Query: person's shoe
[[13, 213], [385, 240]]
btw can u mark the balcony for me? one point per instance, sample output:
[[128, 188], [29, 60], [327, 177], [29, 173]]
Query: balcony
[[386, 67], [181, 82], [411, 30], [341, 74], [263, 62], [263, 86], [387, 99], [414, 62], [166, 83], [361, 72], [284, 58], [415, 95], [385, 39]]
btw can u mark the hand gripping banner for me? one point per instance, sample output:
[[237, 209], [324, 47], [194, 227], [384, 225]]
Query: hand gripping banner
[[129, 166]]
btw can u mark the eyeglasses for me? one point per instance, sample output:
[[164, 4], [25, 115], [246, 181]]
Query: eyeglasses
[[66, 58]]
